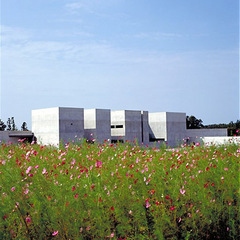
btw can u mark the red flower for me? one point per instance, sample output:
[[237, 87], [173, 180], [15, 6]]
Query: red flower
[[167, 197], [172, 208], [112, 208], [73, 188], [206, 185], [207, 169], [76, 195]]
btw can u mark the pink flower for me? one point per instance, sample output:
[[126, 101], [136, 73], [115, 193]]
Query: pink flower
[[112, 235], [98, 164], [26, 191], [55, 233], [13, 189], [182, 191], [73, 188], [172, 208], [148, 205], [28, 219], [44, 171], [28, 170], [225, 169]]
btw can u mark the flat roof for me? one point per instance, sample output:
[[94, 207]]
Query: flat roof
[[20, 134]]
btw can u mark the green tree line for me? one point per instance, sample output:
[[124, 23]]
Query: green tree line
[[233, 128], [11, 126]]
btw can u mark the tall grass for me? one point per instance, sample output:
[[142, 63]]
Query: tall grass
[[121, 191]]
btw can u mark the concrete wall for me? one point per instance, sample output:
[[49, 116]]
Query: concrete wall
[[133, 125], [220, 140], [126, 125], [71, 124], [45, 125], [52, 125], [176, 128], [145, 127], [10, 137], [158, 126], [195, 135], [118, 120], [4, 137], [97, 124]]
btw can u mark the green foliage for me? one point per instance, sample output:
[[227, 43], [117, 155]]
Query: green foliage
[[233, 128], [121, 191], [2, 125], [193, 123]]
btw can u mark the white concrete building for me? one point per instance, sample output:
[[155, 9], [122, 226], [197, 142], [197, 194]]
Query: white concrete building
[[129, 125], [97, 124], [169, 127], [53, 125]]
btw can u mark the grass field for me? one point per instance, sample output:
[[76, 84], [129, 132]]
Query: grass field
[[120, 191]]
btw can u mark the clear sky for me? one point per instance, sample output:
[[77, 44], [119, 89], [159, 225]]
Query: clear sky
[[154, 55]]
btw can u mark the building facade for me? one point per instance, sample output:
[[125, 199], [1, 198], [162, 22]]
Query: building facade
[[52, 125]]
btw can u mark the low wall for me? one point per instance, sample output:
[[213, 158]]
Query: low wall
[[14, 136], [196, 135], [220, 140], [4, 137]]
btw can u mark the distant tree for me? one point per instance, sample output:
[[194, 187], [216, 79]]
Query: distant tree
[[24, 127], [193, 123], [233, 128], [9, 125], [2, 125], [13, 124]]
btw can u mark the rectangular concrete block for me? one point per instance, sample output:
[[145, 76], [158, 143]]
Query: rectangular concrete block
[[97, 124], [176, 128], [45, 125], [52, 125], [71, 124], [158, 126]]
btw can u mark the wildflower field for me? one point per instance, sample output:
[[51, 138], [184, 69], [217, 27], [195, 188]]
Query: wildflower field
[[120, 191]]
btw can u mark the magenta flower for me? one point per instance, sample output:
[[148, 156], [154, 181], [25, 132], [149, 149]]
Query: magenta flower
[[28, 170], [28, 219], [13, 189], [26, 191], [148, 205], [182, 191], [55, 233], [112, 235]]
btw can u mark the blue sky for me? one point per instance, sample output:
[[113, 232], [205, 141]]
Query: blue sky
[[154, 55]]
